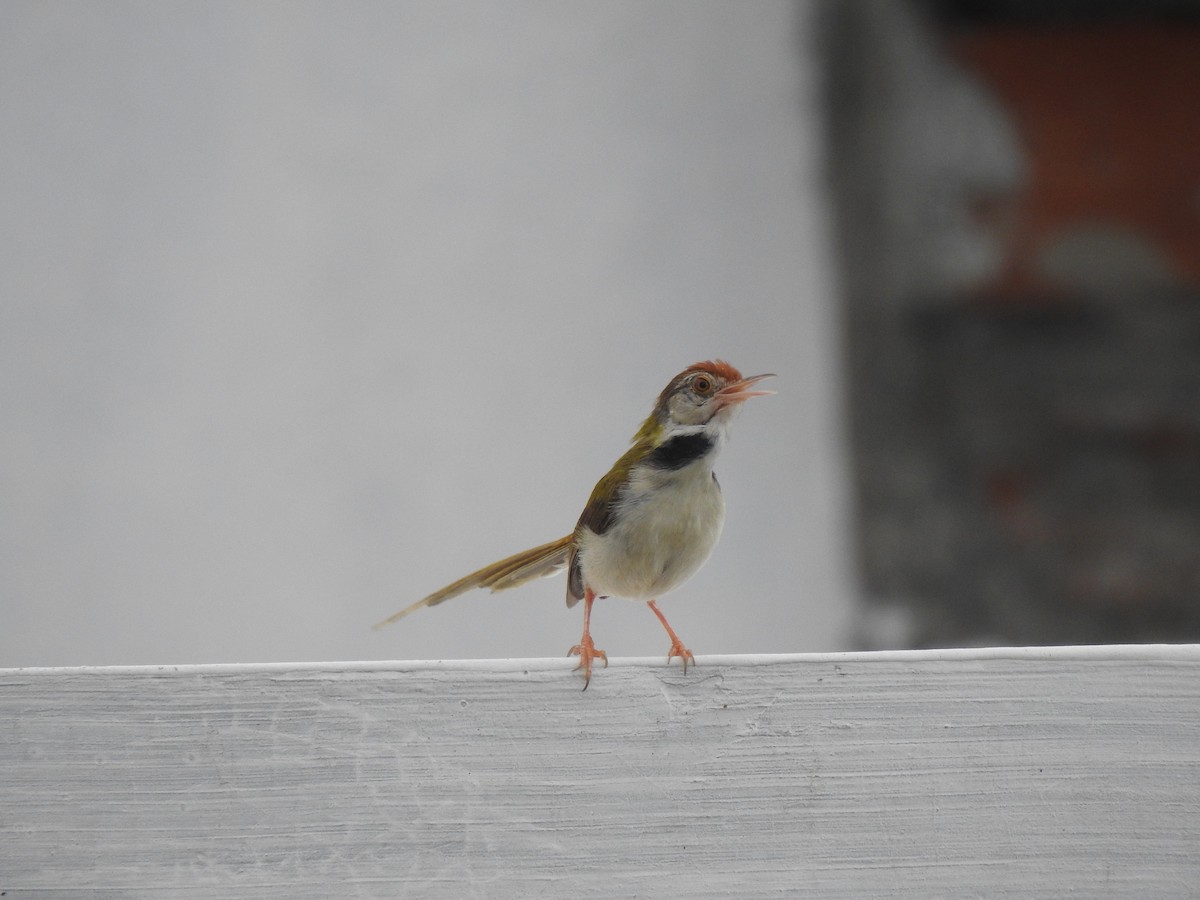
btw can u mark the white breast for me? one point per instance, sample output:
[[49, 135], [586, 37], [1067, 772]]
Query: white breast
[[666, 528]]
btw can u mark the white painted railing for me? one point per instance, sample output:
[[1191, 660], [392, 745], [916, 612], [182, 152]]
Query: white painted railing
[[973, 773]]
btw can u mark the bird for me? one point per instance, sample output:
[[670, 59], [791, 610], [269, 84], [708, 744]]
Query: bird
[[649, 524]]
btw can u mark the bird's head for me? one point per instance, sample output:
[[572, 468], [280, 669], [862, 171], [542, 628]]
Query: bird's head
[[704, 393], [699, 402]]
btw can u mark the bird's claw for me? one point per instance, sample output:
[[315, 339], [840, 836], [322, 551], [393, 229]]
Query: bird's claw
[[684, 654], [586, 651]]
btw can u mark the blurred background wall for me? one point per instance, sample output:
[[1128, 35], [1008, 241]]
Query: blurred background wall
[[308, 309], [311, 308], [1018, 203]]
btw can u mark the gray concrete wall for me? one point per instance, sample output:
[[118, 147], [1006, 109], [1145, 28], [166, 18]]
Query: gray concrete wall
[[309, 309]]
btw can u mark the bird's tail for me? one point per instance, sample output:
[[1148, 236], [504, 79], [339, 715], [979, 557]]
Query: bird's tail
[[511, 572]]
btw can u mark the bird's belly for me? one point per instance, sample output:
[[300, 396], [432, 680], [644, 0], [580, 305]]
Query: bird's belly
[[657, 544]]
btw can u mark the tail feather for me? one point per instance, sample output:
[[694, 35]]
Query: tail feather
[[517, 569]]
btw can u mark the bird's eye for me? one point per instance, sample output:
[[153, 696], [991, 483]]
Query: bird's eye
[[702, 385]]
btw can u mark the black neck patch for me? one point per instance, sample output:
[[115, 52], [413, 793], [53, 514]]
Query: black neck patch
[[680, 450]]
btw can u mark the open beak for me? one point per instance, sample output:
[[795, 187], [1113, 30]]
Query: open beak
[[740, 390]]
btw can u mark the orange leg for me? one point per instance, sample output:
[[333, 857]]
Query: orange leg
[[585, 649], [677, 648]]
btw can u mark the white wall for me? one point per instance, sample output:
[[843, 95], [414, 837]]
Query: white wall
[[309, 309]]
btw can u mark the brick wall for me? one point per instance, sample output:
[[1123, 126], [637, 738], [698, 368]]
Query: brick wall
[[1018, 206]]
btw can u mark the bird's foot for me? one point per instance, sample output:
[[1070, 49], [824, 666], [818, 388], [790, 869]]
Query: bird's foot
[[677, 648], [684, 654], [586, 651]]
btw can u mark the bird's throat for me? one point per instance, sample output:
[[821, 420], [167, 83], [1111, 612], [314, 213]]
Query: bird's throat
[[680, 450]]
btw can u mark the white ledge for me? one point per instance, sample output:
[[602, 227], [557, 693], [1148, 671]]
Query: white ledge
[[1019, 772], [556, 663]]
